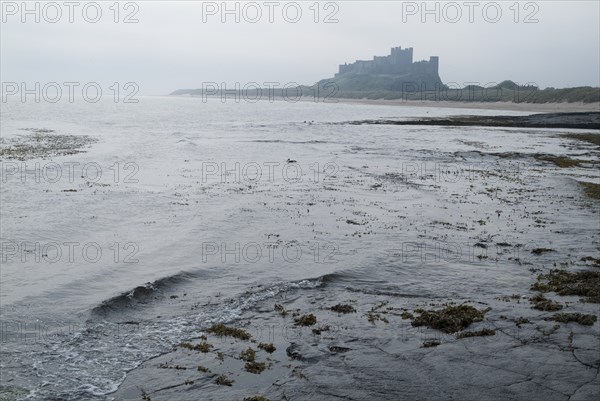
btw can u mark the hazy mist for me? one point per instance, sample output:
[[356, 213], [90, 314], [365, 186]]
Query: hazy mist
[[170, 47]]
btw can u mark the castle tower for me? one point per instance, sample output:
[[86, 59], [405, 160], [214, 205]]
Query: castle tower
[[395, 54], [401, 56], [434, 62]]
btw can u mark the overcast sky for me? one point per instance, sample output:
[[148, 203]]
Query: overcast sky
[[176, 45]]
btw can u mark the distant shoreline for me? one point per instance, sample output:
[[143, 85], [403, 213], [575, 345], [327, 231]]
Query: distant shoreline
[[575, 120], [532, 107], [563, 107]]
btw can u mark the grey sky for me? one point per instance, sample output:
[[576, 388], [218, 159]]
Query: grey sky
[[171, 47]]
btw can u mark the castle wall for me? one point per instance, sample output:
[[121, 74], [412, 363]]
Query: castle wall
[[399, 61]]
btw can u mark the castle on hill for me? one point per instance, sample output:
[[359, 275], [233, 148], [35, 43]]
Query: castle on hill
[[398, 62]]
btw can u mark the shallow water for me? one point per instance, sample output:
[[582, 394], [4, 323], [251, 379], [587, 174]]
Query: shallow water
[[204, 210]]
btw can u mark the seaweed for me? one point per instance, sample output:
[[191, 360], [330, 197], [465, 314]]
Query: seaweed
[[586, 320], [450, 319], [223, 380], [248, 355], [338, 350], [255, 367], [509, 298], [319, 330], [431, 343], [221, 330], [176, 367], [305, 320], [343, 308], [540, 302], [585, 283], [591, 138], [560, 161], [270, 348], [256, 398], [43, 143], [375, 314], [280, 309], [592, 190], [595, 261], [202, 347], [539, 251], [479, 333]]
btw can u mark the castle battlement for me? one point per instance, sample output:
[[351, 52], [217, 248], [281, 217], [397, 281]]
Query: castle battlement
[[399, 61]]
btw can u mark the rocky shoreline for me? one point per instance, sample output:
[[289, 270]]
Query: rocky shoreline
[[333, 343], [583, 120]]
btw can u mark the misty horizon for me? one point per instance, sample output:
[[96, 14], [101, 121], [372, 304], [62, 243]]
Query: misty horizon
[[554, 44]]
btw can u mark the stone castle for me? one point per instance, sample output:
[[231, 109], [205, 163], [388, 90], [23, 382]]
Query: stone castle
[[398, 62]]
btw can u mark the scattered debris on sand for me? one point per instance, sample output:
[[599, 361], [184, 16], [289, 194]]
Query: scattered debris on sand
[[42, 143]]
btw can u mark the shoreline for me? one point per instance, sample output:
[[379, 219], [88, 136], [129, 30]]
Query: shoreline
[[563, 107], [573, 120], [505, 106], [284, 348]]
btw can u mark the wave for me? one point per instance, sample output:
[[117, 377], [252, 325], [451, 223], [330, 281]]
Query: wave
[[234, 308], [187, 142], [359, 282], [97, 357], [140, 295], [469, 154]]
